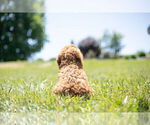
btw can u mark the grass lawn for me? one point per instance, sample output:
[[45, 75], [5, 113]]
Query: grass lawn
[[119, 85]]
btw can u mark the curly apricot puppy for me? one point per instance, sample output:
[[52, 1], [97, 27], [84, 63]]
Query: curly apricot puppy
[[72, 79]]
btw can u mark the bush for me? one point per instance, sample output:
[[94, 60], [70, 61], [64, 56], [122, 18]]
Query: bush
[[116, 57], [141, 54], [130, 57], [52, 59], [107, 55], [89, 44], [133, 56], [126, 57], [40, 60], [90, 54]]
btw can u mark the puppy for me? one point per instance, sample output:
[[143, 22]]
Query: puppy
[[72, 79]]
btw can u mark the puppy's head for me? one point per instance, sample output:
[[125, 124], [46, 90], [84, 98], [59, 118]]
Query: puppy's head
[[70, 55]]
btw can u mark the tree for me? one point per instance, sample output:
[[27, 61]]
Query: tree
[[105, 40], [21, 35], [89, 44], [111, 42], [22, 5], [115, 44]]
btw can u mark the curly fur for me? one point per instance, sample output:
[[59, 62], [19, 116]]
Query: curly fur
[[72, 79]]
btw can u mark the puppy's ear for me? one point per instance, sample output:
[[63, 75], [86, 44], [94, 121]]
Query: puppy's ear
[[58, 60], [79, 60]]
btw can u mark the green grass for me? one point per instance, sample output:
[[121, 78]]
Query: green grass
[[119, 86]]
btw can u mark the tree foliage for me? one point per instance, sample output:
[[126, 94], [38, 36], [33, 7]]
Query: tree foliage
[[105, 40], [112, 42], [22, 5], [141, 54], [88, 45], [115, 44], [21, 35]]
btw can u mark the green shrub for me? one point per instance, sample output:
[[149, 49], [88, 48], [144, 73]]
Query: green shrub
[[133, 56], [40, 60], [52, 59], [90, 47], [126, 57], [141, 54], [107, 55]]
